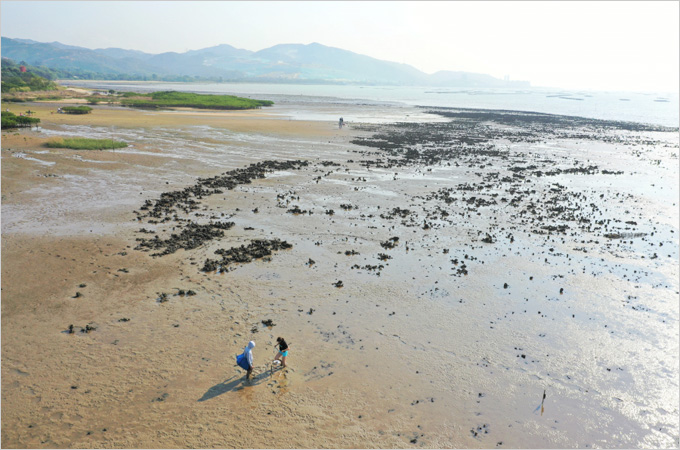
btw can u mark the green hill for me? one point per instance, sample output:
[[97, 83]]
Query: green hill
[[14, 80], [283, 63]]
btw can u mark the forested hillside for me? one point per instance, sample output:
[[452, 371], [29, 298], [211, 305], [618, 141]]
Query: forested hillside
[[33, 79]]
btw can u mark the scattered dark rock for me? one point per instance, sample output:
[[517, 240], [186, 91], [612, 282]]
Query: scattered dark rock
[[390, 243], [161, 398], [297, 211], [192, 236], [259, 248], [186, 200], [488, 239]]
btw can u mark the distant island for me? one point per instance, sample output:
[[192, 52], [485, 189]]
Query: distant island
[[285, 63]]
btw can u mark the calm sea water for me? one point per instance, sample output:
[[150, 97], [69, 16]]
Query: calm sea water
[[660, 108]]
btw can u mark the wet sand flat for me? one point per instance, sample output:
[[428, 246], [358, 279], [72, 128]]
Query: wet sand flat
[[440, 278], [259, 120]]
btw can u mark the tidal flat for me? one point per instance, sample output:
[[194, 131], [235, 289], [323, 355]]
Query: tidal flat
[[475, 279]]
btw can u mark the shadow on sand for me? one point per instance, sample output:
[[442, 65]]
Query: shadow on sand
[[233, 384]]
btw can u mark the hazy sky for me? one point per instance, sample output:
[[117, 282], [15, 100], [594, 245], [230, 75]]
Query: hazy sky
[[576, 44]]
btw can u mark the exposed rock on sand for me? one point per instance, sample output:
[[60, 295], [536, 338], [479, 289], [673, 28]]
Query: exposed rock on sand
[[481, 260]]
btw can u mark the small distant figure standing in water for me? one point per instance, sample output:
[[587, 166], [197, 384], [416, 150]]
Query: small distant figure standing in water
[[340, 123], [283, 351], [249, 357]]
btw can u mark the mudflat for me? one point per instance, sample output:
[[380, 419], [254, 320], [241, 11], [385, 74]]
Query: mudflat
[[491, 280]]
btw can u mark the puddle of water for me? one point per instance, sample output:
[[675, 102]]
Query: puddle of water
[[29, 158]]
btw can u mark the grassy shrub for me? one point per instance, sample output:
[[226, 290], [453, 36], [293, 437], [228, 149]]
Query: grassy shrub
[[76, 109], [186, 99], [11, 120], [85, 144], [13, 99]]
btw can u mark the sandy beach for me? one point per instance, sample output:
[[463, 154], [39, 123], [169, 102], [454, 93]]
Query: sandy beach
[[447, 297]]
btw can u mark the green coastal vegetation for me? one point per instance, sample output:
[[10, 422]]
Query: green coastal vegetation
[[33, 79], [76, 109], [167, 99], [11, 120], [17, 86], [85, 144]]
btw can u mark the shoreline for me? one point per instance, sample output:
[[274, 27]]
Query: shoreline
[[421, 352], [639, 107], [238, 121]]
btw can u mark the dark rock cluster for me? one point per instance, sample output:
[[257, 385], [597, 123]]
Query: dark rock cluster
[[257, 249], [171, 206], [192, 236], [170, 203]]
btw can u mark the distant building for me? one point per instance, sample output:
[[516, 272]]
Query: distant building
[[515, 83], [22, 68]]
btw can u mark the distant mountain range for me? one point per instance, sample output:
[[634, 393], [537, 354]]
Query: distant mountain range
[[289, 63]]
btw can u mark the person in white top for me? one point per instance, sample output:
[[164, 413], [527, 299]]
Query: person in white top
[[249, 356]]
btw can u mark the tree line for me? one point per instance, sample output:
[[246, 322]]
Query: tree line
[[33, 79]]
